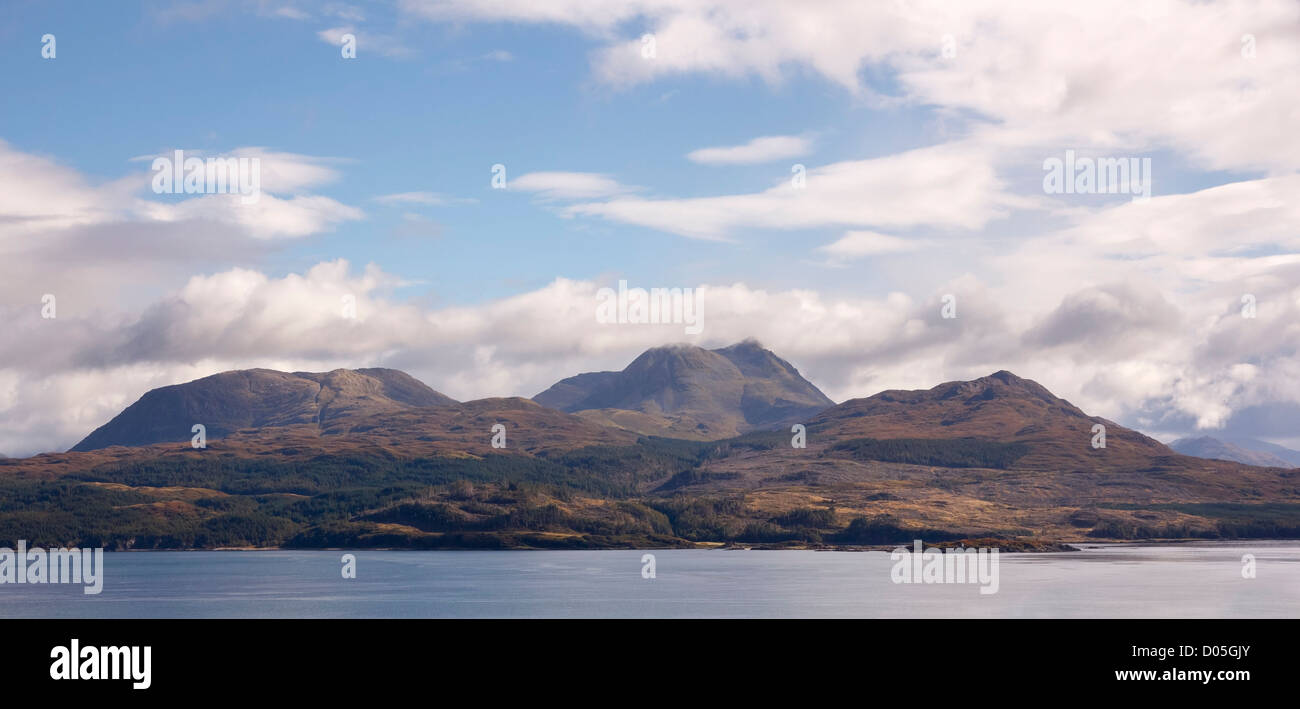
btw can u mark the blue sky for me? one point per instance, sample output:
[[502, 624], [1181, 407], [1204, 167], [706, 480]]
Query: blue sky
[[436, 120], [924, 173]]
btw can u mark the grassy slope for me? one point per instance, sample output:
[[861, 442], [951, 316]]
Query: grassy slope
[[996, 457], [754, 489]]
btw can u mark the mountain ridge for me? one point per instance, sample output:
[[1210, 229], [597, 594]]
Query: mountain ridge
[[1001, 406], [373, 458], [1216, 449], [260, 398], [690, 392]]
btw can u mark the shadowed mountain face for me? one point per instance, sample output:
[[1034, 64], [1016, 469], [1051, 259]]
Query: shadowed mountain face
[[690, 392], [260, 398], [1208, 447]]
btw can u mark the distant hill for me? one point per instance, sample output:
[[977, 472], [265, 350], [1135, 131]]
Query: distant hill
[[258, 398], [1209, 447], [689, 392], [1001, 407], [1290, 455]]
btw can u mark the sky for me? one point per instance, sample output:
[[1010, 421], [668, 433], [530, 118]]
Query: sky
[[830, 178]]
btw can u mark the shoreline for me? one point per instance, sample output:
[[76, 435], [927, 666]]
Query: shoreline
[[1033, 548]]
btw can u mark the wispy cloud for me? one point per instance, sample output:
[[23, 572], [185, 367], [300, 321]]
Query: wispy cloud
[[1214, 79], [367, 41], [859, 244], [948, 186], [569, 185], [429, 199], [758, 150]]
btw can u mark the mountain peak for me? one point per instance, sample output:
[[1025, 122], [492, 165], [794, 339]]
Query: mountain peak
[[749, 343], [1000, 385], [1005, 378], [254, 398], [688, 391], [1000, 407]]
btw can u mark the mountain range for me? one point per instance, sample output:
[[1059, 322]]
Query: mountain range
[[1241, 450], [683, 447]]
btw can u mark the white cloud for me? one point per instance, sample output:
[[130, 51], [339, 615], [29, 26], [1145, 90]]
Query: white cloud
[[569, 185], [947, 186], [759, 150], [38, 195], [1163, 73], [269, 217], [335, 35], [430, 199], [857, 244], [1121, 349], [37, 192], [291, 13], [284, 173], [294, 215], [366, 41], [101, 246]]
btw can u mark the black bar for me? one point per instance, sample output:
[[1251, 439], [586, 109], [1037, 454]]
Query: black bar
[[944, 660]]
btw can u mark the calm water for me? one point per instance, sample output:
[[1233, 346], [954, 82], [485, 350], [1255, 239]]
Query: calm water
[[1202, 580]]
